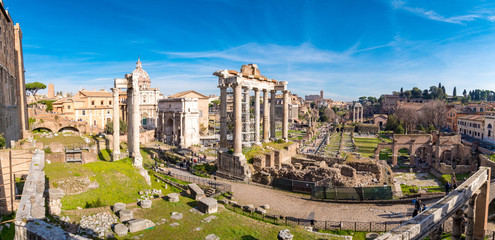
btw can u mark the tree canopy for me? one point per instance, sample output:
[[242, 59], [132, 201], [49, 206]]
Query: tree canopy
[[34, 87]]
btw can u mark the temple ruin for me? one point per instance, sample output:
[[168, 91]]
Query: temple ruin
[[235, 88]]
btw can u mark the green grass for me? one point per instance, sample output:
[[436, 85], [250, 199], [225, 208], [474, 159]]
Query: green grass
[[366, 146], [228, 225], [67, 141], [105, 155], [118, 182], [253, 151], [409, 190], [385, 154], [7, 233], [355, 235], [459, 177]]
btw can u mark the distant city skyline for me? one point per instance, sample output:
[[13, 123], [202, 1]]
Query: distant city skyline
[[347, 49]]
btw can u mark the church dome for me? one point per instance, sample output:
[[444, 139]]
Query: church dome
[[142, 76]]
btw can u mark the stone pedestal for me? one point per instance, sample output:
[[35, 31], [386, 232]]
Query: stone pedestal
[[146, 203], [173, 197], [117, 207], [196, 192], [120, 229], [125, 215], [139, 225], [208, 205]]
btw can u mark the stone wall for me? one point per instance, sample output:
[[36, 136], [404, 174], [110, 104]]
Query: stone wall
[[21, 160], [486, 162], [459, 169], [230, 166]]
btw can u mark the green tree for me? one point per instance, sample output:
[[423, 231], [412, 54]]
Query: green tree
[[2, 141], [34, 87], [416, 92], [464, 93], [122, 126], [399, 130], [455, 92]]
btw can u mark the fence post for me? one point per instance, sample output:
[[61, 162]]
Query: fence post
[[340, 225], [355, 226], [326, 225]]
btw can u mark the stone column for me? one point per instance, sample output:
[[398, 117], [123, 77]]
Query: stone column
[[273, 128], [285, 120], [457, 224], [223, 117], [256, 116], [135, 125], [361, 114], [237, 120], [353, 114], [247, 117], [470, 218], [482, 203], [129, 102], [266, 117], [116, 125]]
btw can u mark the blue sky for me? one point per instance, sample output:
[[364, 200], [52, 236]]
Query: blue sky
[[346, 48]]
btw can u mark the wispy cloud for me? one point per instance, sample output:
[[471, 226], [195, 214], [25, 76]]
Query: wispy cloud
[[267, 54], [433, 15]]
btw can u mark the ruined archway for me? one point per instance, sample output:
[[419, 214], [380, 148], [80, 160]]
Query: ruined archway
[[42, 129], [446, 157], [404, 157], [68, 129], [385, 154]]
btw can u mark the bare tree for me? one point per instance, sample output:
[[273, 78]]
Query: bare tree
[[433, 113], [408, 116]]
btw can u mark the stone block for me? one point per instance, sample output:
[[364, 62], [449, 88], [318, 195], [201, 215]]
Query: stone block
[[137, 225], [125, 215], [173, 197], [212, 237], [121, 229], [208, 205], [118, 206], [176, 216], [146, 203], [266, 206], [248, 208], [57, 147], [284, 235], [196, 192], [261, 211], [55, 193]]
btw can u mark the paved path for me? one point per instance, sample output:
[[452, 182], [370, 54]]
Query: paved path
[[297, 205]]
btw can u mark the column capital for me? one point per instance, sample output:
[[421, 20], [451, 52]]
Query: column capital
[[265, 90], [256, 89], [273, 91]]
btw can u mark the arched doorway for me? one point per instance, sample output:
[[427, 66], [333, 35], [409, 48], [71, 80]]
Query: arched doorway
[[68, 129], [404, 157], [385, 154]]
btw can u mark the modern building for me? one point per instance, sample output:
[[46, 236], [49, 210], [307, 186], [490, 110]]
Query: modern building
[[178, 121], [92, 107], [13, 107], [472, 125]]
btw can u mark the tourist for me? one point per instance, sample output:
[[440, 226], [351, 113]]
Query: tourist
[[418, 204], [447, 188], [415, 212], [424, 207], [414, 201]]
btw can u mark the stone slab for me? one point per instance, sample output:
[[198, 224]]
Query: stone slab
[[208, 205], [121, 229], [125, 215], [137, 225], [146, 203], [118, 206], [173, 197], [196, 192]]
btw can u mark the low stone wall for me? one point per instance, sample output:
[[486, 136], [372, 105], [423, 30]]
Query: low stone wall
[[459, 169], [486, 162]]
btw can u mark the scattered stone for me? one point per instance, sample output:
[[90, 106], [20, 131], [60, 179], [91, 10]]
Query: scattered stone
[[249, 208], [141, 192], [261, 211], [176, 216], [224, 201], [212, 237], [372, 235], [196, 192], [97, 225], [125, 215], [118, 206], [146, 203], [121, 229], [266, 206], [209, 218], [137, 225], [195, 210], [208, 205], [308, 228], [198, 229], [284, 235], [175, 224], [173, 197]]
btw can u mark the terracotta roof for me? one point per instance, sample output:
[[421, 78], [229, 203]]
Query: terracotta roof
[[473, 117], [95, 93], [181, 94]]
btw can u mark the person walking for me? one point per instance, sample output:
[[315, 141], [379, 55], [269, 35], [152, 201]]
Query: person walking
[[447, 188]]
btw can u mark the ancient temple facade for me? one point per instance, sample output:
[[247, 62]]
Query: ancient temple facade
[[178, 121]]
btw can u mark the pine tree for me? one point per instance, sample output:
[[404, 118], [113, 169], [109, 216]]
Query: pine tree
[[401, 90], [455, 92], [464, 93]]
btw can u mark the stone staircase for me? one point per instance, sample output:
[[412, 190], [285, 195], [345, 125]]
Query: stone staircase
[[210, 192]]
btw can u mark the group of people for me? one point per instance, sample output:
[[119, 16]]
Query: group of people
[[418, 206]]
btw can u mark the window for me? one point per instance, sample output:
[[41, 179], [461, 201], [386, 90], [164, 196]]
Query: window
[[108, 111], [109, 102], [102, 102], [68, 106], [83, 112], [93, 103]]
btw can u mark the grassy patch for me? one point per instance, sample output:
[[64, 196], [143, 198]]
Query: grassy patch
[[118, 182], [228, 225], [253, 151], [366, 146], [67, 141], [105, 155], [355, 235]]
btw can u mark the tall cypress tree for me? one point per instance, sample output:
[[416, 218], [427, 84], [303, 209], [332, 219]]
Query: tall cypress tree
[[455, 92]]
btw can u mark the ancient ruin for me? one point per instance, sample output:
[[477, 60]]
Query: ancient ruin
[[240, 85], [178, 121], [357, 113]]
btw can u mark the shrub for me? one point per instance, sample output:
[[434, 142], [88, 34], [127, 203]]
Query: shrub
[[2, 141], [48, 150]]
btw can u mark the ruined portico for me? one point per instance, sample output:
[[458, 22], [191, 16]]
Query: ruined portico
[[246, 130], [357, 113]]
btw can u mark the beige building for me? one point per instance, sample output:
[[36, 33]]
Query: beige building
[[472, 125], [93, 107], [203, 102], [13, 107]]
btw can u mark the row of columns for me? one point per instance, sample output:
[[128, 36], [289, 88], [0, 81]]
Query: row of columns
[[357, 114], [268, 116]]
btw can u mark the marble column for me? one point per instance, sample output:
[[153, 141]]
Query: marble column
[[361, 115], [223, 117], [266, 117], [116, 125], [457, 224], [285, 120], [256, 116], [237, 120], [247, 117], [353, 114], [482, 205], [470, 218], [136, 122], [129, 121], [273, 128]]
